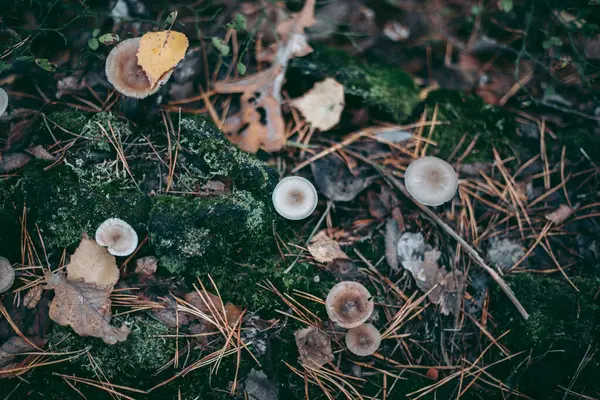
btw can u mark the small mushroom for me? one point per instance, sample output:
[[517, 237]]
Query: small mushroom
[[3, 101], [120, 238], [295, 198], [349, 304], [124, 73], [431, 181], [7, 275], [363, 340]]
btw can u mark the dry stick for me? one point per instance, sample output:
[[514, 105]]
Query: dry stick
[[470, 250]]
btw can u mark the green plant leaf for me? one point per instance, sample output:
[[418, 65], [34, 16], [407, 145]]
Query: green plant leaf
[[109, 38], [476, 10], [240, 22], [93, 43], [95, 32], [241, 68], [25, 58], [170, 20], [221, 46], [4, 65], [44, 63], [552, 41], [506, 5]]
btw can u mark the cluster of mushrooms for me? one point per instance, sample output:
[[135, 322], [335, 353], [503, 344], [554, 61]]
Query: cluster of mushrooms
[[350, 305]]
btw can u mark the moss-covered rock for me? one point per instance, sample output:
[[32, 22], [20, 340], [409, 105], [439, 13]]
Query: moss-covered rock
[[188, 231], [382, 87]]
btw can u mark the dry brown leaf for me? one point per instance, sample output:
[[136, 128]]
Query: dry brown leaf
[[560, 215], [92, 263], [314, 347], [12, 348], [84, 307], [232, 313], [245, 128], [445, 288], [145, 267], [324, 249], [169, 316], [322, 105], [33, 296], [160, 52]]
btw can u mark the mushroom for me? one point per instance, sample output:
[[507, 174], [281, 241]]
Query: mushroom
[[431, 181], [349, 304], [118, 236], [363, 340], [295, 198], [3, 101], [7, 275], [124, 73]]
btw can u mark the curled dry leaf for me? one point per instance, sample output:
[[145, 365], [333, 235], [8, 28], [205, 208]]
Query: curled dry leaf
[[322, 106], [560, 215], [159, 53], [169, 316], [324, 249], [12, 349], [84, 307], [314, 347], [246, 128], [445, 288], [33, 296], [92, 263], [392, 235]]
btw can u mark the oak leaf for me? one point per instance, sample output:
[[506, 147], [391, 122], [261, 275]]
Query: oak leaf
[[160, 52], [92, 263], [84, 307]]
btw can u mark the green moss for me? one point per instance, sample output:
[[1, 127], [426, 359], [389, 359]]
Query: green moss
[[470, 117], [64, 208], [563, 324], [386, 88], [190, 233]]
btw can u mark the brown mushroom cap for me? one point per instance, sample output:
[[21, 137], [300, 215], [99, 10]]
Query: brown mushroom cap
[[7, 275], [124, 73], [363, 340], [349, 304]]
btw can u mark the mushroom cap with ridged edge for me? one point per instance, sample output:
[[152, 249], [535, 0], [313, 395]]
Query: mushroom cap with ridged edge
[[363, 340], [349, 304], [124, 73], [431, 181], [118, 236], [7, 275]]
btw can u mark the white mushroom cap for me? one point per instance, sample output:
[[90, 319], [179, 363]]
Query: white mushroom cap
[[7, 275], [124, 73], [120, 238], [363, 340], [431, 181], [3, 101], [349, 304], [295, 198]]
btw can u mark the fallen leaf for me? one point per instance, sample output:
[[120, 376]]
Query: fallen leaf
[[314, 347], [322, 106], [84, 307], [392, 235], [560, 215], [259, 387], [324, 249], [160, 52], [432, 373], [92, 263], [169, 316], [13, 161], [33, 296], [40, 152], [344, 269], [12, 349], [145, 267], [445, 288], [233, 313], [336, 181]]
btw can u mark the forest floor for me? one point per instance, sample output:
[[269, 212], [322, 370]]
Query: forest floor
[[494, 294]]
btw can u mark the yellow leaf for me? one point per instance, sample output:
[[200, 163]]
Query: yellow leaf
[[322, 106], [92, 263], [160, 52]]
